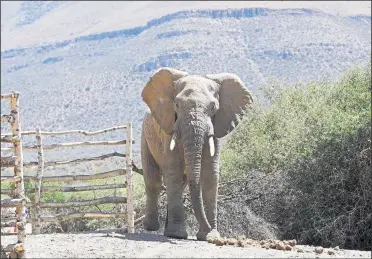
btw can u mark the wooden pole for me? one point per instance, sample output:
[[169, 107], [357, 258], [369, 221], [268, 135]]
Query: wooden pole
[[39, 176], [72, 144], [69, 188], [130, 209], [11, 203], [83, 132], [7, 96], [104, 200], [82, 215], [18, 170], [80, 160], [70, 178]]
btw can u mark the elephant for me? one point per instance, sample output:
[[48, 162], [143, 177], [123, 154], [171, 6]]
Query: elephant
[[185, 112]]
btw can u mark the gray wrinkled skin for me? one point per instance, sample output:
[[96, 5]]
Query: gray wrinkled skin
[[192, 110]]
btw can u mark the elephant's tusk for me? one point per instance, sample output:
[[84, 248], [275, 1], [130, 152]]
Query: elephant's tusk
[[173, 142], [211, 146]]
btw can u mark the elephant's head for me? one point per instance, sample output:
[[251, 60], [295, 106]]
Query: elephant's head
[[193, 109]]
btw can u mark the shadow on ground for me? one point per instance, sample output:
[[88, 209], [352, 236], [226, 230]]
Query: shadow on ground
[[146, 237]]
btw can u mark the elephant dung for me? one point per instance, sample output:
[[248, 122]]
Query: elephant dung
[[232, 241], [292, 242], [331, 252], [280, 246], [241, 238], [242, 243], [318, 250], [211, 239], [220, 241], [288, 247], [273, 245]]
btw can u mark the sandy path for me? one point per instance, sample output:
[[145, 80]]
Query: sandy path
[[152, 246]]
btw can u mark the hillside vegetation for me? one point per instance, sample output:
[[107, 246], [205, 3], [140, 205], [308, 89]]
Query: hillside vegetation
[[305, 160]]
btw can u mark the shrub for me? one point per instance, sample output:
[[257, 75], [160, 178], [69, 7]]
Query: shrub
[[309, 145]]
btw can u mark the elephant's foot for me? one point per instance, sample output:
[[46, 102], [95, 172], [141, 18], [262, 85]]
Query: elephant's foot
[[151, 224], [204, 235], [176, 231]]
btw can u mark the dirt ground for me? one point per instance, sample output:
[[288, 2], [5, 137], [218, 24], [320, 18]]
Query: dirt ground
[[98, 245]]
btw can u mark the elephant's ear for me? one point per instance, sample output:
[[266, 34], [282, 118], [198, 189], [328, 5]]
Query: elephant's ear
[[234, 99], [158, 94]]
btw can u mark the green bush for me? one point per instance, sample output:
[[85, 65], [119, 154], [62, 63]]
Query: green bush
[[314, 142]]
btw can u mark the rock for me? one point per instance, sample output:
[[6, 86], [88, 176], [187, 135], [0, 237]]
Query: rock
[[266, 245], [288, 247], [318, 250], [292, 242], [337, 248], [250, 241], [280, 245], [330, 252], [285, 242], [262, 242]]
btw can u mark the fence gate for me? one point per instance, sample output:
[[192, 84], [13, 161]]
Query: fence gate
[[18, 199], [37, 218]]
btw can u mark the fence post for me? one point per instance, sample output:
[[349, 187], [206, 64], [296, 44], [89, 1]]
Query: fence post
[[18, 171], [39, 176], [130, 209]]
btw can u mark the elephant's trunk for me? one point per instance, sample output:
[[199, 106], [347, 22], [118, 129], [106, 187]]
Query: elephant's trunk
[[193, 135], [209, 133]]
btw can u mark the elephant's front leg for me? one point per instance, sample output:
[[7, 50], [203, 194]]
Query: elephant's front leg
[[209, 177], [176, 225], [153, 183], [183, 189]]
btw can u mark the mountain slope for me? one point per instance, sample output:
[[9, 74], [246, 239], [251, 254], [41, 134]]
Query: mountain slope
[[95, 81], [29, 23]]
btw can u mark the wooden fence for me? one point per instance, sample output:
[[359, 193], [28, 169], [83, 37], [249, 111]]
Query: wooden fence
[[18, 199], [36, 204], [37, 218]]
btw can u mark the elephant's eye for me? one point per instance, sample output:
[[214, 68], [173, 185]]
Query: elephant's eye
[[214, 106]]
